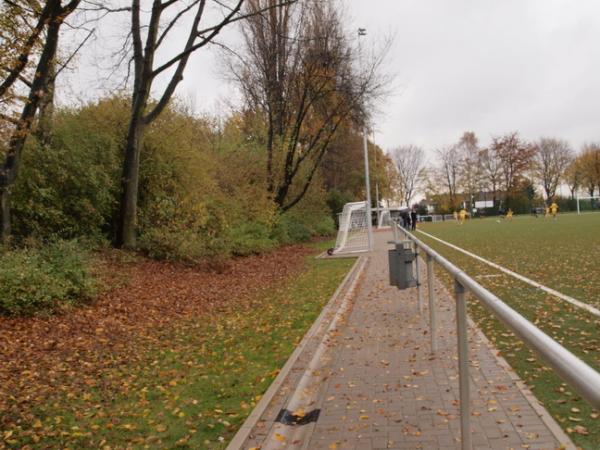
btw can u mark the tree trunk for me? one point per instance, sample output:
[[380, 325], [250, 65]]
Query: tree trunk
[[127, 228], [10, 167], [46, 109], [5, 207]]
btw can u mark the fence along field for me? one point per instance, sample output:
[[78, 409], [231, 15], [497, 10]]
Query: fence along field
[[561, 254]]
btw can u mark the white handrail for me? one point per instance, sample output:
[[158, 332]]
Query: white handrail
[[579, 375]]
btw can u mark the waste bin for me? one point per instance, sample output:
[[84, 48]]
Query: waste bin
[[401, 264]]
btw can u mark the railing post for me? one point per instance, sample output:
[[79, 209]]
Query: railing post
[[432, 317], [463, 365], [419, 290]]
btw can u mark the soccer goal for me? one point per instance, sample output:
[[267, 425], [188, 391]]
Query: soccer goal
[[588, 204], [353, 233], [432, 218], [384, 218]]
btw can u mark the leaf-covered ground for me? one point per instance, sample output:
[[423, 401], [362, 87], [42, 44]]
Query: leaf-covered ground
[[554, 254], [172, 356]]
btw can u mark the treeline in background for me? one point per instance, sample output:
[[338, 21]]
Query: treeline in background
[[509, 173]]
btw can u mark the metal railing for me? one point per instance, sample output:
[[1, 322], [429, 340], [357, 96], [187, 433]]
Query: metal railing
[[580, 376]]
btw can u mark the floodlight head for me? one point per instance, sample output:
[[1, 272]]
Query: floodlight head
[[362, 31]]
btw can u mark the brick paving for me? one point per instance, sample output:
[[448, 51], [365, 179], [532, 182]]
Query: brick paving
[[386, 391]]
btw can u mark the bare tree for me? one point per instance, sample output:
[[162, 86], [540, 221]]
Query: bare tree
[[470, 167], [491, 171], [54, 13], [515, 157], [300, 73], [450, 170], [550, 159], [147, 37], [410, 162]]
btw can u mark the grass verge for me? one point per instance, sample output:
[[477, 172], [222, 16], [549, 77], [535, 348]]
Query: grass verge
[[196, 388]]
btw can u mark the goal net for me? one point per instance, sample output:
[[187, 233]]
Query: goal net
[[384, 218], [588, 204], [352, 234]]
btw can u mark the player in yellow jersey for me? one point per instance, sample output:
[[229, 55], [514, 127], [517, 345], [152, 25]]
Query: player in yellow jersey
[[509, 214], [554, 210], [462, 216]]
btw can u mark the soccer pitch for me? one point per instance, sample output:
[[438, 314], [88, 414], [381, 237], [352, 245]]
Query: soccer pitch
[[563, 255]]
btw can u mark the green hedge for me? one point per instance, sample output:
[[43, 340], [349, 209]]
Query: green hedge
[[42, 279]]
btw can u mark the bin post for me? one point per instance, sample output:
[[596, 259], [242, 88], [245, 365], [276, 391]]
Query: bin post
[[431, 292], [418, 279], [463, 365]]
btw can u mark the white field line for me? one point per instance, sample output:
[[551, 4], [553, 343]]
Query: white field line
[[573, 301]]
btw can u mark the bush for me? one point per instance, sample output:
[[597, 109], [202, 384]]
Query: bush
[[42, 279], [71, 189], [289, 230], [185, 245], [324, 227], [251, 237]]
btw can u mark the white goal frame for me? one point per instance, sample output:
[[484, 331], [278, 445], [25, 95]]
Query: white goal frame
[[590, 197], [352, 234]]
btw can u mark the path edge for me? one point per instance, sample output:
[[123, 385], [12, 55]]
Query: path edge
[[244, 432]]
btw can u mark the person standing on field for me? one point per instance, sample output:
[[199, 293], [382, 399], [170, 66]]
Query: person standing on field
[[509, 214], [554, 210], [462, 216], [546, 211], [413, 220]]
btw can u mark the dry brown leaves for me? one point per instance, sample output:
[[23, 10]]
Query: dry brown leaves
[[39, 355]]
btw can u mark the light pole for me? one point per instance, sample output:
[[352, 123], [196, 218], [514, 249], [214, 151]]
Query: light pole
[[377, 206], [363, 32]]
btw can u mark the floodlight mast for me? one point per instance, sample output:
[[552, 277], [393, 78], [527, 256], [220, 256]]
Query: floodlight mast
[[363, 32]]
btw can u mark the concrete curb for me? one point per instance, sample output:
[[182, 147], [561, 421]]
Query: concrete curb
[[244, 432]]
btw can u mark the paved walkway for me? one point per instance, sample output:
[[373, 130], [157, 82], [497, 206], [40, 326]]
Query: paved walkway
[[382, 389]]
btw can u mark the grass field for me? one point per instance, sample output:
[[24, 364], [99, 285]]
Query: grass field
[[563, 255], [195, 388]]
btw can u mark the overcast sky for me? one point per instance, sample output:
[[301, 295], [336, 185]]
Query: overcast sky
[[487, 66]]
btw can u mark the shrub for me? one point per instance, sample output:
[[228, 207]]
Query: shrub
[[324, 227], [289, 230], [42, 279], [251, 237], [71, 188], [185, 245]]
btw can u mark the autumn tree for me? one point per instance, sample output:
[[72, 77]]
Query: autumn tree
[[550, 159], [148, 33], [514, 157], [48, 22], [298, 70], [589, 161], [410, 163], [573, 176]]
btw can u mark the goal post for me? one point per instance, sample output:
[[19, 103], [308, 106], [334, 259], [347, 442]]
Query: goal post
[[588, 203], [352, 234]]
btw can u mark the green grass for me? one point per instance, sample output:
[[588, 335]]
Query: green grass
[[560, 255], [197, 387]]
